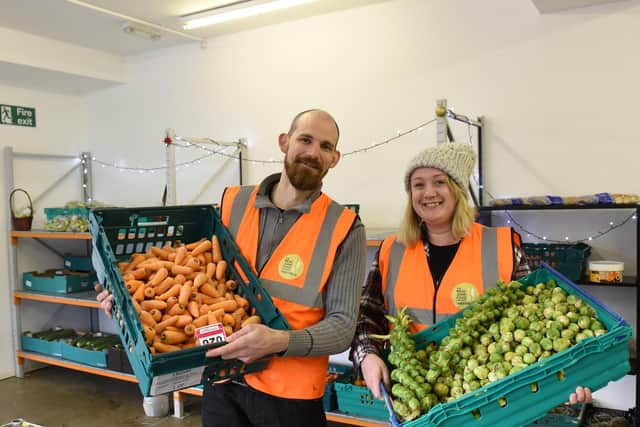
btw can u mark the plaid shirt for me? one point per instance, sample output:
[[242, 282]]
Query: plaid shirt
[[371, 319]]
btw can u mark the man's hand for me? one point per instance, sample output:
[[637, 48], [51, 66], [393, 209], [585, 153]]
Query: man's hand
[[252, 343], [582, 394], [105, 298]]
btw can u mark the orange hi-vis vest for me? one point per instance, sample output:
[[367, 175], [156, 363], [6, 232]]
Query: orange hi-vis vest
[[294, 276], [483, 257]]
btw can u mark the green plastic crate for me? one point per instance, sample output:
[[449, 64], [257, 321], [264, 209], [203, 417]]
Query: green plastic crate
[[117, 233], [51, 213], [533, 391], [329, 399], [358, 400], [58, 281], [568, 259]]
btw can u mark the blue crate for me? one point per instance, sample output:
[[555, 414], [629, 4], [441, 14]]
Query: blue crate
[[117, 233], [78, 263], [85, 356], [530, 393], [58, 281], [51, 348], [330, 399]]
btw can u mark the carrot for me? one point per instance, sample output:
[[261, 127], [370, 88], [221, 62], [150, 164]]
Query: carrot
[[150, 304], [190, 329], [193, 308], [201, 321], [209, 290], [171, 301], [136, 306], [173, 291], [191, 246], [146, 318], [242, 302], [231, 284], [135, 260], [204, 309], [228, 330], [215, 316], [176, 309], [149, 334], [216, 252], [179, 278], [173, 337], [199, 280], [159, 276], [221, 270], [149, 291], [228, 319], [138, 295], [185, 294], [207, 258], [202, 259], [141, 273], [164, 286], [181, 269], [251, 320], [155, 314], [159, 252], [221, 288], [165, 348], [210, 270], [202, 247], [206, 299], [181, 255], [228, 305], [133, 285], [168, 322], [122, 266], [193, 263], [183, 320]]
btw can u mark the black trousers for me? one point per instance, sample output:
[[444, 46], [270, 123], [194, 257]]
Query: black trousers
[[237, 405]]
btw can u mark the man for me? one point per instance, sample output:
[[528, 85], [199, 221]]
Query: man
[[310, 254]]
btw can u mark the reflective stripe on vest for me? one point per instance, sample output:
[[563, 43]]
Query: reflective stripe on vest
[[294, 276], [489, 253]]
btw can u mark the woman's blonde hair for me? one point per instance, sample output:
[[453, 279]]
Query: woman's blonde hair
[[464, 215]]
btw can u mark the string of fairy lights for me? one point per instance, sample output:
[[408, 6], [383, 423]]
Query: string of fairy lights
[[221, 151]]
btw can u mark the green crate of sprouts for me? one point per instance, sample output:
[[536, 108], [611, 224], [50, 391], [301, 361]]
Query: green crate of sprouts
[[514, 354]]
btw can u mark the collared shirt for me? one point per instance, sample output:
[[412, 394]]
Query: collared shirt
[[334, 333], [371, 319]]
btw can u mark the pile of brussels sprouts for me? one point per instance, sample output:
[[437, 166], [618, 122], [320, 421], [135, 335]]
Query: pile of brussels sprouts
[[500, 333]]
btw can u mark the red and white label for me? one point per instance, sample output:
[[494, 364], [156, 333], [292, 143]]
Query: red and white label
[[211, 334]]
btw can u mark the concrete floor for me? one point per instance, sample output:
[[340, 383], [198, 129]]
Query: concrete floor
[[58, 397]]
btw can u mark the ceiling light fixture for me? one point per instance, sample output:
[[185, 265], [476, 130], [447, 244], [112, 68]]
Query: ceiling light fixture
[[236, 10], [141, 30]]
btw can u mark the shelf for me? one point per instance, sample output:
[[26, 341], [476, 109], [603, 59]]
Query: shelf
[[43, 234], [557, 207], [83, 299], [331, 416], [49, 360]]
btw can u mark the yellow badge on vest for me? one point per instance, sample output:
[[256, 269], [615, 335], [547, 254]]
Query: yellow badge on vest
[[464, 294], [291, 267]]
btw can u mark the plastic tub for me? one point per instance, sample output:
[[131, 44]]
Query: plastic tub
[[606, 271]]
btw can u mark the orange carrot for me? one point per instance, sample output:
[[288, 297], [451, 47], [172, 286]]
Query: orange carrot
[[183, 320], [159, 252], [149, 334], [210, 270], [231, 284], [221, 270], [138, 295], [199, 280], [176, 309], [146, 318], [251, 320], [228, 319], [193, 308], [173, 337], [216, 252], [209, 290], [202, 247], [181, 254], [181, 269], [159, 276], [149, 292], [242, 302], [155, 314], [168, 322], [185, 294], [227, 305], [150, 304], [201, 321], [191, 246], [171, 301], [190, 329], [180, 279], [165, 348], [173, 291], [193, 263]]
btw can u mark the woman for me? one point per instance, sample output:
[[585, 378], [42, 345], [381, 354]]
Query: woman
[[439, 261]]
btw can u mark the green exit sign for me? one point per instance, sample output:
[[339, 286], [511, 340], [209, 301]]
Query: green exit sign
[[17, 116]]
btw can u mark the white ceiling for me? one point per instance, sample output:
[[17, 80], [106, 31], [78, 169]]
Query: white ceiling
[[68, 22]]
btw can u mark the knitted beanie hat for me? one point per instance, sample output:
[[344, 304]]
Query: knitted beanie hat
[[455, 158]]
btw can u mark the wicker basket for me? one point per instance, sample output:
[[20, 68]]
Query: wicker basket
[[21, 223]]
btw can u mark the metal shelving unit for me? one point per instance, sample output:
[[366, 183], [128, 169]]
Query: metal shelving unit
[[629, 281]]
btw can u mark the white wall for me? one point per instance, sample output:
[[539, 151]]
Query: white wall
[[61, 128], [558, 92]]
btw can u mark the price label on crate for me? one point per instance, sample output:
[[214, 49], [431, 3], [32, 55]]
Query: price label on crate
[[211, 334]]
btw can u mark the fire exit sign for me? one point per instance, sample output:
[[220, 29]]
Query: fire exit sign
[[17, 116]]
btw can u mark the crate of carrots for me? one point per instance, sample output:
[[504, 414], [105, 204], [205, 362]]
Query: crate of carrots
[[180, 286]]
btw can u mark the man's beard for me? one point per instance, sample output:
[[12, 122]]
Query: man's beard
[[302, 177]]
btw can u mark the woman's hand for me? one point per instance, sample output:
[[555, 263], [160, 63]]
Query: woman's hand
[[375, 370], [582, 394]]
